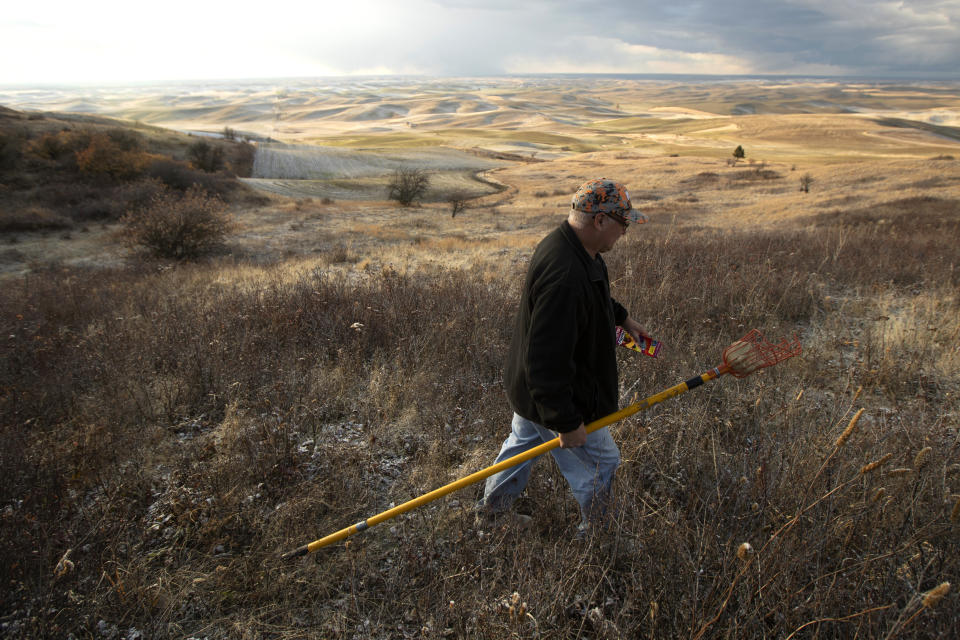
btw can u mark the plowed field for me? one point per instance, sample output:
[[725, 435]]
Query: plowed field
[[302, 171]]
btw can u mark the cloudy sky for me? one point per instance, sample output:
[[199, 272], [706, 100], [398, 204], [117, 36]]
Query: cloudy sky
[[98, 41]]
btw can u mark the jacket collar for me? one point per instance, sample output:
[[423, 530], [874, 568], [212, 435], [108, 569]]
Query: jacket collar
[[595, 267]]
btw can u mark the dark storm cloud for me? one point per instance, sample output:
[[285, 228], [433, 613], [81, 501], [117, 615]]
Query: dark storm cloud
[[863, 36], [851, 36]]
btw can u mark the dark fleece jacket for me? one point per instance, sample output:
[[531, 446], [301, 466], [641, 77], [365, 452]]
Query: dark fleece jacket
[[561, 369]]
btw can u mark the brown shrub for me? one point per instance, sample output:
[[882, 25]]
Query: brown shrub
[[126, 139], [104, 157], [181, 177], [206, 156], [240, 158], [179, 227], [56, 146]]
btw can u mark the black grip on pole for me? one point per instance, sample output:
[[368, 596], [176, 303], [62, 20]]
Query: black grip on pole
[[693, 383]]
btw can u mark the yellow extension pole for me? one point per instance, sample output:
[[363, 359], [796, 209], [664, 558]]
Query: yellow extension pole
[[505, 464]]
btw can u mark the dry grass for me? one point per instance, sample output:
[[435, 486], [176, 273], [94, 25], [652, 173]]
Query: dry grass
[[176, 431]]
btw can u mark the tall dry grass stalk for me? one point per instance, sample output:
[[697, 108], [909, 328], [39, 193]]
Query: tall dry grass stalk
[[933, 597], [921, 458], [867, 468], [842, 440]]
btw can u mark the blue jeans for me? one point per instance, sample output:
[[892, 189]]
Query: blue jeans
[[588, 469]]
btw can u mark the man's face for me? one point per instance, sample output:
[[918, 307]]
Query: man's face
[[611, 230]]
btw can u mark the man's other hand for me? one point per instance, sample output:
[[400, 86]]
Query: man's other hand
[[634, 328], [575, 438]]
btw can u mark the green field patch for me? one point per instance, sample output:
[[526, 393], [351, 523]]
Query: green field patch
[[394, 140], [538, 138], [642, 124]]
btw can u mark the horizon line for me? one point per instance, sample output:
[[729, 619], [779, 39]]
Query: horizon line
[[544, 75]]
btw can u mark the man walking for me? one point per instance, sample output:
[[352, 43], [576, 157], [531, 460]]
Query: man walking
[[561, 370]]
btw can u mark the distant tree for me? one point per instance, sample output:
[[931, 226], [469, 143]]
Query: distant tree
[[229, 134], [739, 153], [407, 185], [458, 202], [805, 181], [205, 156]]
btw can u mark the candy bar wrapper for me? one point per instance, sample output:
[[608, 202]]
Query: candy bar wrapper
[[649, 347]]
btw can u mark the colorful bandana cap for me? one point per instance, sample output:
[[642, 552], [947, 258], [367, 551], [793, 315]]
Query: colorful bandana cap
[[606, 196]]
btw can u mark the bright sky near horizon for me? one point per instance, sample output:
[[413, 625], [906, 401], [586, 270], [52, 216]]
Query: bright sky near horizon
[[107, 41]]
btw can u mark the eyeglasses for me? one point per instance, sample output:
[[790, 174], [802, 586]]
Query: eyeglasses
[[618, 218]]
